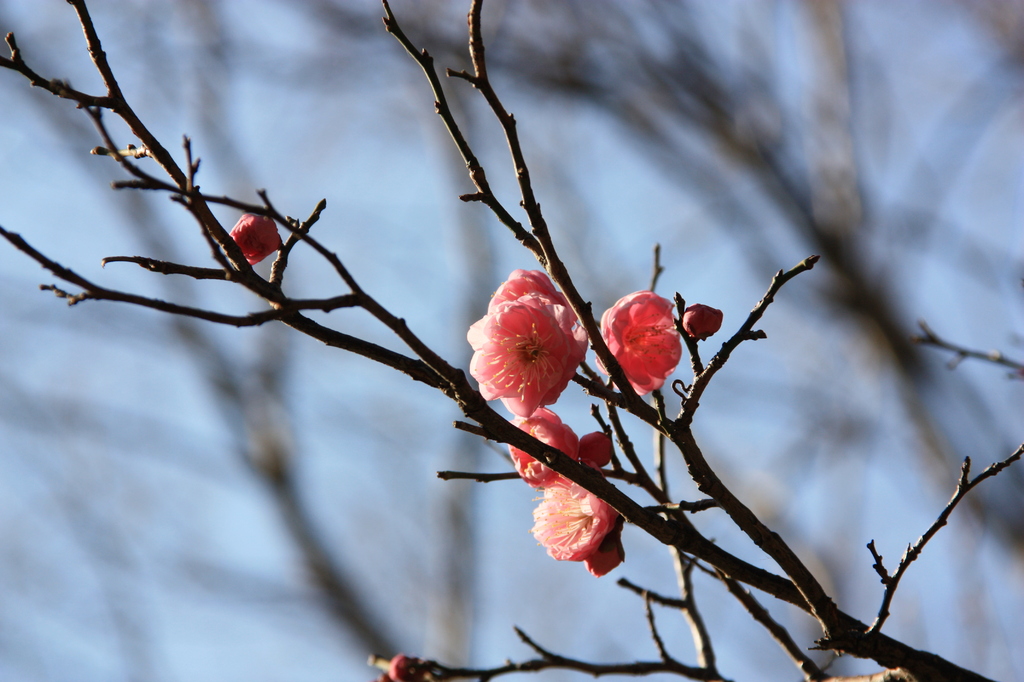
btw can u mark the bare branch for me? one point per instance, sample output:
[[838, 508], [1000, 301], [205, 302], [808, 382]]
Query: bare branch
[[778, 633], [745, 333], [479, 478], [167, 268], [476, 171], [964, 485], [927, 337]]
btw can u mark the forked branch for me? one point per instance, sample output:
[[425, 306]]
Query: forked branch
[[964, 485]]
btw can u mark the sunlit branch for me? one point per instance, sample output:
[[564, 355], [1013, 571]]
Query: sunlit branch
[[818, 603], [698, 630], [167, 268], [691, 345]]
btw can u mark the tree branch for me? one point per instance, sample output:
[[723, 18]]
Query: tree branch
[[964, 485]]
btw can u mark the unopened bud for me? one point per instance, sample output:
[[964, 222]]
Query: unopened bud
[[701, 321], [407, 669], [596, 449], [257, 236]]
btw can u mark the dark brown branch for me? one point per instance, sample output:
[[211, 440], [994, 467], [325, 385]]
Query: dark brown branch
[[698, 630], [472, 428], [655, 636], [745, 333], [479, 478], [116, 102], [671, 602], [596, 389], [548, 256], [656, 268], [644, 479], [692, 507], [166, 268], [691, 343], [964, 485], [95, 292], [281, 262], [59, 88], [415, 369], [476, 171], [818, 603], [701, 639], [778, 633], [595, 412]]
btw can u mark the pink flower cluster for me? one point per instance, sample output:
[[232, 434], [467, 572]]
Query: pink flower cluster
[[526, 350], [572, 523], [594, 449]]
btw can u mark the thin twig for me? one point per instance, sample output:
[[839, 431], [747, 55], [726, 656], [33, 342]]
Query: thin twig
[[476, 171], [167, 268], [653, 627], [927, 337], [964, 485], [281, 262], [698, 630], [691, 343], [656, 268], [745, 333], [778, 633], [595, 412], [478, 477], [95, 292], [692, 507], [626, 445]]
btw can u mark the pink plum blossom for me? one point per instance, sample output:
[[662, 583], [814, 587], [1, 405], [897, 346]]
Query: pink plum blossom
[[527, 349], [526, 283], [641, 334], [572, 524], [256, 236], [701, 321], [547, 427]]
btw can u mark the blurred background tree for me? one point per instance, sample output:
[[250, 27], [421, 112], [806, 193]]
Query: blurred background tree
[[184, 502]]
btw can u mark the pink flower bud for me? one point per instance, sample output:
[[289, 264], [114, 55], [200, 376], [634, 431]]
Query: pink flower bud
[[257, 236], [701, 321], [407, 669], [596, 449]]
